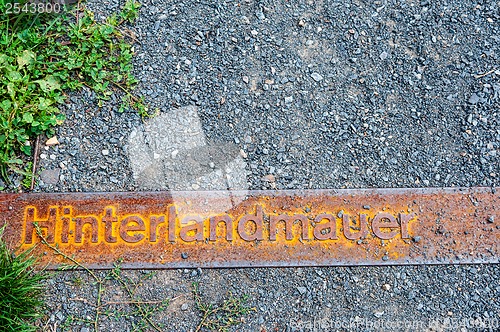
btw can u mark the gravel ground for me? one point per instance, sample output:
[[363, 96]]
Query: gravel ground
[[295, 95]]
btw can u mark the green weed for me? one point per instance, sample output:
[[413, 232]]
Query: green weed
[[141, 315], [220, 317], [44, 56], [21, 292]]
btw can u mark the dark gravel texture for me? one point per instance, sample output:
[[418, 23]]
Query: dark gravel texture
[[318, 94]]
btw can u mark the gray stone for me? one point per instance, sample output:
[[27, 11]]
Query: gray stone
[[302, 290], [474, 99], [317, 77], [50, 176]]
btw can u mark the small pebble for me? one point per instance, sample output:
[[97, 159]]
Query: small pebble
[[269, 178], [474, 99], [52, 141], [317, 77]]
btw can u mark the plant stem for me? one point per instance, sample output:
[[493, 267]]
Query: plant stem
[[35, 159]]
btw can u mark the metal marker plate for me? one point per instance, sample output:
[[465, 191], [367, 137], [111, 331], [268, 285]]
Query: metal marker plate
[[259, 228]]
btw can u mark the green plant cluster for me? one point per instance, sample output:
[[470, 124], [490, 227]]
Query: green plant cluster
[[220, 317], [43, 56], [21, 291]]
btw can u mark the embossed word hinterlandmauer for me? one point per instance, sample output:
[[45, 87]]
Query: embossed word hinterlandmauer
[[258, 228]]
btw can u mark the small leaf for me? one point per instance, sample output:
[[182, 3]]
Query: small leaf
[[4, 59], [26, 58], [28, 117], [48, 84], [11, 89], [60, 119], [26, 149], [14, 76], [44, 103], [15, 161], [6, 104]]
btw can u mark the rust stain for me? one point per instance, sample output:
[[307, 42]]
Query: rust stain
[[259, 228]]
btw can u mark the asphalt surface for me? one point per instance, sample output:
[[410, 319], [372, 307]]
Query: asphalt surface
[[296, 95]]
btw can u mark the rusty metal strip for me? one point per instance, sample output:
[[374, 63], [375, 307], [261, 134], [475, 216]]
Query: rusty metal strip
[[259, 228]]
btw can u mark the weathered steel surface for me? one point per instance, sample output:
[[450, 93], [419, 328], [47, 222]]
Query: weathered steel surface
[[259, 228]]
